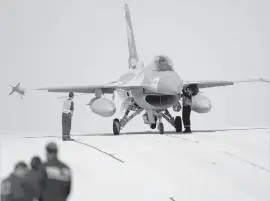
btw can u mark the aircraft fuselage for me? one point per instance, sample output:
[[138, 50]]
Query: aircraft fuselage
[[19, 90], [164, 87]]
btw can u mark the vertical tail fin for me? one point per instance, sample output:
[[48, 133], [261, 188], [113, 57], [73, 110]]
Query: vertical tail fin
[[133, 57]]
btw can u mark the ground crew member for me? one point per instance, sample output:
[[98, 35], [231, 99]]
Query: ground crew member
[[12, 188], [68, 108], [186, 111], [33, 179], [56, 177]]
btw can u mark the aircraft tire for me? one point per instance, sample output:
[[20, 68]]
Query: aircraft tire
[[178, 124], [153, 126], [161, 128], [116, 127]]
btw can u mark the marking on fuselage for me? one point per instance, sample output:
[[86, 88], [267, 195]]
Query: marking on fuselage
[[156, 80]]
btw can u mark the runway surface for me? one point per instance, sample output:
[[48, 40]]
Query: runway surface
[[206, 165]]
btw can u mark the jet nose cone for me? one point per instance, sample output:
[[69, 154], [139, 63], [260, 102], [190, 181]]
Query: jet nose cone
[[170, 84]]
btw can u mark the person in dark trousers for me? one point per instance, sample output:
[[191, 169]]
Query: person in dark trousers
[[12, 188], [56, 176], [33, 179], [186, 111], [68, 109]]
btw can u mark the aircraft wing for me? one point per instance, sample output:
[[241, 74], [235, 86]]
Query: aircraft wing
[[108, 88], [216, 83]]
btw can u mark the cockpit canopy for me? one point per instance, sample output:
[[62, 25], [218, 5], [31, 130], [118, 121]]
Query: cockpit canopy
[[162, 63]]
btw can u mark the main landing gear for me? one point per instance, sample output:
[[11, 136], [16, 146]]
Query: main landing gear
[[120, 124], [176, 122]]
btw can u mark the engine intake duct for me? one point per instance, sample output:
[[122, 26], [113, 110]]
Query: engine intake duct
[[161, 101]]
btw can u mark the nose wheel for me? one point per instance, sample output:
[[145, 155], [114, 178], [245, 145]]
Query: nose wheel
[[153, 126], [161, 128]]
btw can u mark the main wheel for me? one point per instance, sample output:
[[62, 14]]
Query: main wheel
[[161, 128], [116, 127], [153, 126], [178, 124]]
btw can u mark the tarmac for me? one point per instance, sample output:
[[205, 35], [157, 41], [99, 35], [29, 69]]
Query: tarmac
[[225, 164]]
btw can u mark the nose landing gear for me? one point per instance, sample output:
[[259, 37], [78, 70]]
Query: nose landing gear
[[176, 123], [161, 128]]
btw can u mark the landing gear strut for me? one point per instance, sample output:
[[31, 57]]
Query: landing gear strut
[[176, 123], [159, 123], [120, 124]]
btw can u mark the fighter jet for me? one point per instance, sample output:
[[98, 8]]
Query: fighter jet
[[18, 90], [152, 89]]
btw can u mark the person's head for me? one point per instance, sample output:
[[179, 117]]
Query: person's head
[[52, 151], [188, 90], [35, 163], [71, 95], [20, 169]]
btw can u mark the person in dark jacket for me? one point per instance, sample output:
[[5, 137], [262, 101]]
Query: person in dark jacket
[[33, 179], [186, 111], [12, 188], [56, 176]]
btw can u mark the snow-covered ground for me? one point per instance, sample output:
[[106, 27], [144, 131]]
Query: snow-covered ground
[[206, 165]]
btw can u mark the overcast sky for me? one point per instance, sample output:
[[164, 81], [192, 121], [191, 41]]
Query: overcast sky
[[61, 43]]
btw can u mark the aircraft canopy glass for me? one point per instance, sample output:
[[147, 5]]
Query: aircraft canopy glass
[[162, 63]]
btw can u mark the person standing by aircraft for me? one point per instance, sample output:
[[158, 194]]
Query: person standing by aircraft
[[56, 178], [187, 101], [68, 109]]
